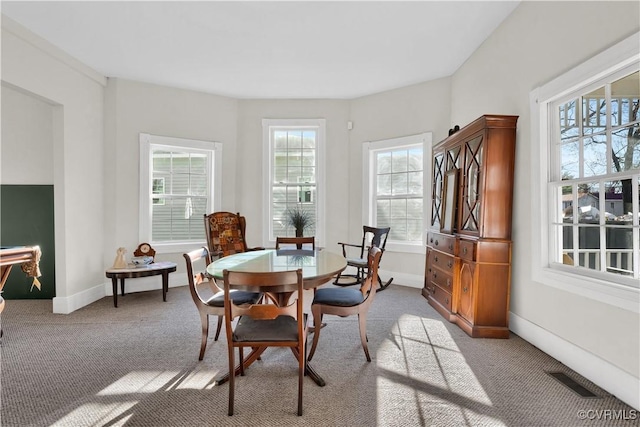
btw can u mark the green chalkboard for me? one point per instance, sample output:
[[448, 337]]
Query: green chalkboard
[[26, 219]]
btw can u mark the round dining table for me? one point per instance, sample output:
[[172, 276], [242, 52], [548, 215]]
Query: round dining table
[[318, 267]]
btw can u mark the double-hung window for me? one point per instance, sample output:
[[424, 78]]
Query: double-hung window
[[293, 176], [396, 187], [589, 172], [596, 148], [179, 183]]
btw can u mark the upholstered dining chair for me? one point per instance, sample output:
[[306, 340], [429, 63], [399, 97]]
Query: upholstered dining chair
[[345, 302], [374, 236], [226, 234], [213, 302], [265, 325], [296, 242]]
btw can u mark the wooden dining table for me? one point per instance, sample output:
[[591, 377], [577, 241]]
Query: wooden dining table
[[318, 267]]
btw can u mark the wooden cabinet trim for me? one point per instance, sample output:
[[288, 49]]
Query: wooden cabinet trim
[[480, 124]]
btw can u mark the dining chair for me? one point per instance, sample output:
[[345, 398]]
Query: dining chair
[[296, 243], [345, 302], [213, 303], [225, 232], [265, 325], [374, 236]]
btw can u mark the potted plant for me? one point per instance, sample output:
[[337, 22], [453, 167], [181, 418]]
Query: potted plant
[[299, 219]]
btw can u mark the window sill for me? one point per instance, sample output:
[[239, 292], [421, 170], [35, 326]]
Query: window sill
[[177, 248], [617, 295]]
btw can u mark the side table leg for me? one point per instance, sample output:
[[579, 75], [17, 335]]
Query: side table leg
[[114, 284], [165, 285], [122, 286]]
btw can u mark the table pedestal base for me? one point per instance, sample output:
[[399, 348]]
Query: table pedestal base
[[255, 355]]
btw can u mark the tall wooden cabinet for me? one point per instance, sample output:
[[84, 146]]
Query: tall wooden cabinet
[[468, 264]]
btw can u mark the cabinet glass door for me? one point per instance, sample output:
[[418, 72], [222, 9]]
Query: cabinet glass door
[[438, 179], [471, 184], [453, 158]]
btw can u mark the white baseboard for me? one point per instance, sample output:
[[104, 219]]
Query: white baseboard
[[609, 377], [403, 279], [66, 305]]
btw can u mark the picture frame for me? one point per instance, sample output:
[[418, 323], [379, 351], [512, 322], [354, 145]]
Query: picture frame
[[449, 201]]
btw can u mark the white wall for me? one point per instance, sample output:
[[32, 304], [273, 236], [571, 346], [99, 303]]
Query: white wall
[[133, 108], [406, 111], [539, 41], [34, 66], [27, 139], [249, 167]]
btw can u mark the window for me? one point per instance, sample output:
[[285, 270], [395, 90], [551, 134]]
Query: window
[[588, 171], [158, 188], [293, 175], [597, 146], [395, 184], [179, 183]]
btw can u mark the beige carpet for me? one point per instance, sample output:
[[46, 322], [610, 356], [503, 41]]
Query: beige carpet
[[136, 365]]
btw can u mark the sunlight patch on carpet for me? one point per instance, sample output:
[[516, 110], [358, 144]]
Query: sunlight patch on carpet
[[95, 414], [418, 348], [140, 382]]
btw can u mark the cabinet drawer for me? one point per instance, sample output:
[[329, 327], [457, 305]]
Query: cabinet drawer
[[442, 261], [441, 296], [467, 249], [445, 281], [442, 242]]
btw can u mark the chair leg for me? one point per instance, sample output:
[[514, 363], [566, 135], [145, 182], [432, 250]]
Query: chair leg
[[204, 318], [383, 286], [362, 321], [232, 378], [302, 361], [316, 310], [220, 318], [241, 355], [357, 278], [336, 281]]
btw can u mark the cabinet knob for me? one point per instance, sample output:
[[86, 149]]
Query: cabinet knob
[[435, 258], [465, 289], [435, 274], [448, 283], [464, 250], [450, 246], [446, 300], [436, 243], [449, 264], [431, 240]]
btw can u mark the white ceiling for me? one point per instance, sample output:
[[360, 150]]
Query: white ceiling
[[268, 49]]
